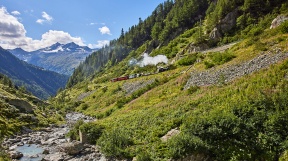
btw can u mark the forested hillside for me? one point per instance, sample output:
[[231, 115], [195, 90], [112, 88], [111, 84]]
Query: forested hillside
[[42, 83], [229, 103], [170, 19]]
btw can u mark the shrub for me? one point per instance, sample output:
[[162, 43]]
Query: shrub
[[255, 31], [260, 46], [208, 64], [188, 60], [114, 142], [183, 144], [84, 106], [284, 156], [193, 89], [93, 131], [284, 27], [73, 134], [221, 58], [104, 89], [143, 156]]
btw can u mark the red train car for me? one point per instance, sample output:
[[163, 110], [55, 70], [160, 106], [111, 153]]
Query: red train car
[[119, 78]]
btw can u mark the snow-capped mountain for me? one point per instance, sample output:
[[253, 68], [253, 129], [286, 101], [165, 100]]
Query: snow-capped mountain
[[70, 47], [42, 83], [61, 58]]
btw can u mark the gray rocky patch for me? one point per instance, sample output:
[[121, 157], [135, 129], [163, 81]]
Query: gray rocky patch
[[278, 21], [131, 87], [230, 73]]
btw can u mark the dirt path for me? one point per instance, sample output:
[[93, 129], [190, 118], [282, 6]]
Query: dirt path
[[220, 48]]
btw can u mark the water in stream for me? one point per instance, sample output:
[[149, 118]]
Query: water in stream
[[31, 152]]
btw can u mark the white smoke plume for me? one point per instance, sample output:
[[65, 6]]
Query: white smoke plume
[[148, 60]]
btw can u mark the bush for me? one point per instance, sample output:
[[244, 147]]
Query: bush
[[208, 64], [73, 134], [252, 130], [284, 27], [183, 144], [221, 58], [143, 156], [255, 31], [84, 106], [104, 89], [93, 131], [188, 60], [193, 89], [114, 143]]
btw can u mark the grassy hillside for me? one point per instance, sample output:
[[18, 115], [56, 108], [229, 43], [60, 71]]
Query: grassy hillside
[[229, 105], [244, 119]]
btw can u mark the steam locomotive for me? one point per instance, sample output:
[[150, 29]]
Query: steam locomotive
[[159, 70]]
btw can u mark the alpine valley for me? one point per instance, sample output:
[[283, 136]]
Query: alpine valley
[[40, 82], [197, 80]]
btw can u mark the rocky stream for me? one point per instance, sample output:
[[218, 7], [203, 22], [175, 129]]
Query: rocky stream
[[50, 144]]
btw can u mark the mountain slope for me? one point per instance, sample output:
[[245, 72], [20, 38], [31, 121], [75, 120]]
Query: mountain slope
[[61, 58], [228, 105], [40, 82]]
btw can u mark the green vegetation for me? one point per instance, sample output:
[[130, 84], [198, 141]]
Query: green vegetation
[[245, 119], [188, 60], [284, 27], [114, 143], [218, 59], [92, 131], [13, 119]]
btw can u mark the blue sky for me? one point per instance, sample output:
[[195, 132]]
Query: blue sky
[[34, 24]]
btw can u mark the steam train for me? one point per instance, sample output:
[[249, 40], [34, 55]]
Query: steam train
[[159, 70], [127, 77]]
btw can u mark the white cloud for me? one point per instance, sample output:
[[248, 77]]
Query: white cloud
[[53, 36], [16, 13], [105, 30], [40, 21], [13, 35], [10, 27], [96, 23], [45, 18], [99, 44]]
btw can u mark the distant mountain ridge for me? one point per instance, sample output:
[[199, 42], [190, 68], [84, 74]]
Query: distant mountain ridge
[[40, 82], [61, 58]]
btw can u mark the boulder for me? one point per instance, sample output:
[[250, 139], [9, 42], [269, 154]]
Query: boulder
[[193, 48], [45, 151], [215, 34], [15, 155], [83, 137], [72, 148], [21, 104], [54, 157], [229, 21], [226, 24], [278, 21], [170, 134], [13, 141]]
